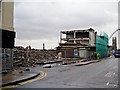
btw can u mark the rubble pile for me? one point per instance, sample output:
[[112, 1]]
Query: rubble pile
[[28, 57]]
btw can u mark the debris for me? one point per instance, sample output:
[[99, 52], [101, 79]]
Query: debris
[[29, 57]]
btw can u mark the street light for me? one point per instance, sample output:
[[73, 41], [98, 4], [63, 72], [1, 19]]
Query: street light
[[114, 33], [118, 36]]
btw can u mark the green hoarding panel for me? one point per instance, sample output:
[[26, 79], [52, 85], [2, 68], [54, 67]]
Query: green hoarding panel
[[102, 45]]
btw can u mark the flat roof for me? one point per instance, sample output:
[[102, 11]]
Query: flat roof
[[78, 30]]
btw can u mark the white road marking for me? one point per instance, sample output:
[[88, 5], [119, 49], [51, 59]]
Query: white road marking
[[114, 73], [109, 74], [115, 85], [107, 83]]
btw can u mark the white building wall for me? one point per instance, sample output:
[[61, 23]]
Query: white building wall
[[7, 23], [92, 38], [82, 53], [7, 15], [0, 14]]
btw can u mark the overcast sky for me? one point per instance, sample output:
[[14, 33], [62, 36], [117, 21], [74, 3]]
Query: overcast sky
[[41, 21]]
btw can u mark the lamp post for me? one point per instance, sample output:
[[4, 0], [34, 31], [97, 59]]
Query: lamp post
[[114, 33], [118, 36]]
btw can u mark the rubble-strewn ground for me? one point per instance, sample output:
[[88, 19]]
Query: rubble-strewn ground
[[28, 57]]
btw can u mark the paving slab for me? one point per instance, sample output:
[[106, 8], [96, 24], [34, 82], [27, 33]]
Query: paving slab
[[15, 77], [83, 63]]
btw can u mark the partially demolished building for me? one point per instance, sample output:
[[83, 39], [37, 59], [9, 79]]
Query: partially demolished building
[[78, 43]]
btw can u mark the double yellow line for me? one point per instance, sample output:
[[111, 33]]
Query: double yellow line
[[42, 75]]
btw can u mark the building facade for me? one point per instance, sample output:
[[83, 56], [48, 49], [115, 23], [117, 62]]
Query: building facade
[[82, 44], [77, 43], [8, 34]]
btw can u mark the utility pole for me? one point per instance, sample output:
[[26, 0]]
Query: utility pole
[[119, 39]]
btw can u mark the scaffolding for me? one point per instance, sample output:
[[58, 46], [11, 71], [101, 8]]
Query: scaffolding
[[102, 44]]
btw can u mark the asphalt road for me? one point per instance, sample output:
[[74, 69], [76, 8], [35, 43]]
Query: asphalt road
[[103, 74]]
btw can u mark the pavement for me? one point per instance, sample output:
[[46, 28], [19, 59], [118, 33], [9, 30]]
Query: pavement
[[21, 75], [83, 63], [17, 76]]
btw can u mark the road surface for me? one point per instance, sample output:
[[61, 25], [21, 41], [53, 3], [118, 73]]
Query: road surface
[[103, 74]]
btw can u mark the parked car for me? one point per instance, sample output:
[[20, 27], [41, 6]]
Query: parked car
[[117, 53]]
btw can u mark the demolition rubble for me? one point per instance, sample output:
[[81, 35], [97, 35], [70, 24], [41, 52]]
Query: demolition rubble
[[29, 57]]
